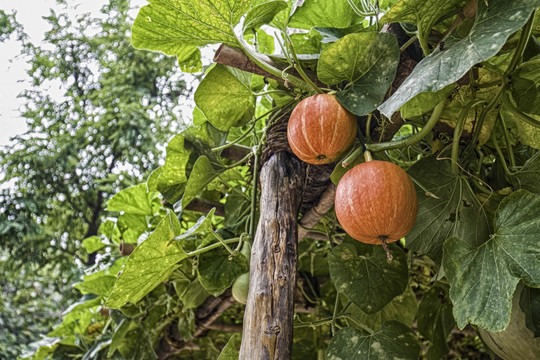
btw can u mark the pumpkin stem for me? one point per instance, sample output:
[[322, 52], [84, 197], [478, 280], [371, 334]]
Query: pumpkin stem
[[368, 157], [385, 247]]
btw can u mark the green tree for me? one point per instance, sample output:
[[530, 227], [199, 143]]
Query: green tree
[[448, 91], [97, 111]]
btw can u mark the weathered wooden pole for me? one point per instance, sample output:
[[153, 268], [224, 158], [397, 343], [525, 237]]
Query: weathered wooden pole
[[268, 318]]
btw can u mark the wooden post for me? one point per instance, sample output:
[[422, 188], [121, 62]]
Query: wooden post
[[268, 318]]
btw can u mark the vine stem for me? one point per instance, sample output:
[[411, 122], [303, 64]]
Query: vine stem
[[253, 56], [243, 136], [333, 324], [507, 103], [220, 239], [522, 42], [298, 67], [408, 43], [413, 139], [458, 130], [212, 247], [501, 156], [520, 48]]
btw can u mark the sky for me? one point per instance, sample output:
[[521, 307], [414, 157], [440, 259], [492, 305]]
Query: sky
[[12, 65]]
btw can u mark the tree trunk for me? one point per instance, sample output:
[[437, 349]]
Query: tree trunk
[[268, 318]]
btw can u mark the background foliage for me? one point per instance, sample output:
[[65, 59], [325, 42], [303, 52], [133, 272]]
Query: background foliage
[[466, 137]]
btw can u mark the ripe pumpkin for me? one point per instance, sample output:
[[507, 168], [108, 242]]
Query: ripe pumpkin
[[320, 129], [376, 202]]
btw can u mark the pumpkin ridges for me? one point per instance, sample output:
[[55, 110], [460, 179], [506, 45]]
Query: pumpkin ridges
[[320, 130], [376, 199]]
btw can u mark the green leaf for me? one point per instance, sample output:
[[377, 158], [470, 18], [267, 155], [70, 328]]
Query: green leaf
[[328, 13], [368, 60], [172, 178], [178, 28], [231, 351], [526, 86], [194, 295], [402, 308], [217, 271], [225, 97], [92, 244], [100, 286], [151, 262], [529, 301], [307, 43], [455, 212], [133, 200], [265, 42], [491, 29], [393, 341], [435, 320], [202, 174], [424, 102], [204, 223], [423, 13], [363, 273], [527, 177], [483, 279], [263, 13]]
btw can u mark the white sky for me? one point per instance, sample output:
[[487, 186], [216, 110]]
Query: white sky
[[13, 67]]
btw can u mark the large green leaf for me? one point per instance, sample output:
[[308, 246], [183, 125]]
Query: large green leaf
[[225, 97], [527, 177], [526, 86], [263, 13], [424, 102], [179, 27], [134, 200], [402, 308], [217, 270], [328, 13], [455, 212], [152, 262], [483, 279], [423, 13], [492, 27], [393, 341], [435, 320], [368, 60], [202, 174], [172, 177], [364, 274]]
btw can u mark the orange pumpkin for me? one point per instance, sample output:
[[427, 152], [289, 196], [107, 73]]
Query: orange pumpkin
[[320, 129], [376, 202]]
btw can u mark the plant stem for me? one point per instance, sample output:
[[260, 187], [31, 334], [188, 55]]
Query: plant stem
[[367, 156], [220, 239], [408, 43], [333, 326], [520, 47], [212, 247], [501, 156], [480, 123], [243, 136], [273, 92], [254, 56], [457, 132], [413, 139], [507, 103], [298, 67], [349, 159], [508, 143]]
